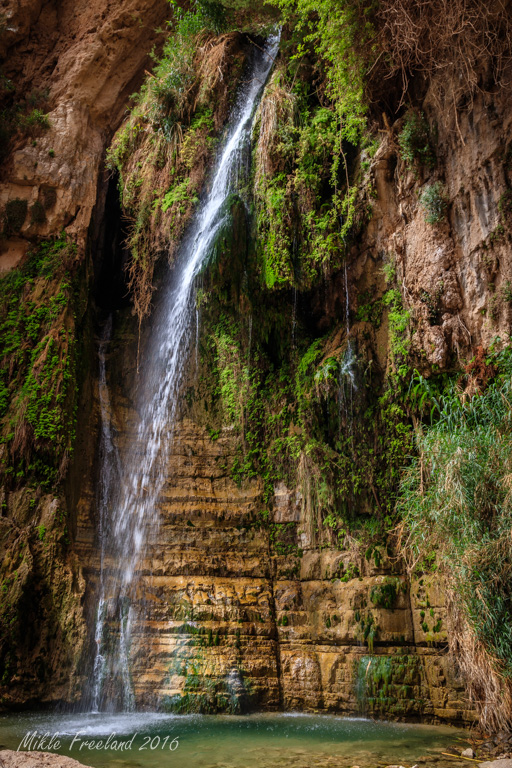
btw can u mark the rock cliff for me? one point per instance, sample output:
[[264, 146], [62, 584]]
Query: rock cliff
[[254, 599]]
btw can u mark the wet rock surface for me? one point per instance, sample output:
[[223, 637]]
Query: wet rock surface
[[232, 622]]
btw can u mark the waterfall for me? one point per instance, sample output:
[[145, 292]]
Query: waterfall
[[131, 482], [347, 374]]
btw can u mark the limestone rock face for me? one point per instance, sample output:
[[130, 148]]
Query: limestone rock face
[[230, 622], [454, 275], [90, 56], [87, 57]]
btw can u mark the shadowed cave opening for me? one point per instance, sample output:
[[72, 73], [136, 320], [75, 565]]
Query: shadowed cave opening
[[111, 254]]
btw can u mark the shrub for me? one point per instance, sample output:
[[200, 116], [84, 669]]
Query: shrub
[[37, 213], [49, 197], [434, 202], [35, 119], [15, 215], [505, 205], [415, 143]]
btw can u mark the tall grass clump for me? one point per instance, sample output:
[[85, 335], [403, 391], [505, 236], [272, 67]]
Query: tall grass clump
[[456, 503]]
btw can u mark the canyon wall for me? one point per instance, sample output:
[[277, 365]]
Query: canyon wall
[[252, 603], [76, 63]]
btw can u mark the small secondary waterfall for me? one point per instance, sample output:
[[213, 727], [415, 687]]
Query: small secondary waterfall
[[130, 482]]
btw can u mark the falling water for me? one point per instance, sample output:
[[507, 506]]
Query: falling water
[[294, 316], [131, 483], [196, 356], [346, 375]]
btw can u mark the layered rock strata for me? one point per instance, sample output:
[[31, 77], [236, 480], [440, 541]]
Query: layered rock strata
[[230, 622]]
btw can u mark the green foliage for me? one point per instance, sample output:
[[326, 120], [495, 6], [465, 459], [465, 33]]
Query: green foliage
[[35, 118], [274, 239], [305, 424], [433, 303], [178, 194], [505, 206], [15, 215], [282, 539], [37, 380], [386, 594], [456, 501], [22, 118], [398, 318], [174, 73], [305, 208], [162, 150], [415, 142], [37, 213], [506, 292], [386, 684], [204, 690], [339, 33], [234, 379], [433, 199], [369, 310]]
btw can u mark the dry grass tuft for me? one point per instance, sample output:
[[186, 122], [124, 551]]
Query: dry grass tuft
[[163, 152], [456, 504], [489, 690], [277, 109]]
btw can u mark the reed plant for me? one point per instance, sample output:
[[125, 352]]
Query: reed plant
[[456, 504]]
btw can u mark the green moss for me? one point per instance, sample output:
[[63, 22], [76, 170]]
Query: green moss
[[178, 194], [505, 206], [384, 684], [22, 118], [37, 380], [386, 594], [305, 209], [398, 319], [203, 689]]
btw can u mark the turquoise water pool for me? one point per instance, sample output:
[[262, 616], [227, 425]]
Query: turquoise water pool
[[140, 740]]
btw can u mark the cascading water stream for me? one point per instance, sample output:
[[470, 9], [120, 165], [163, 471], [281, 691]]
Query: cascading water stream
[[346, 375], [130, 483]]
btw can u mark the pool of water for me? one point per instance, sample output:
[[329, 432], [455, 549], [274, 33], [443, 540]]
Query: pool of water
[[140, 740]]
